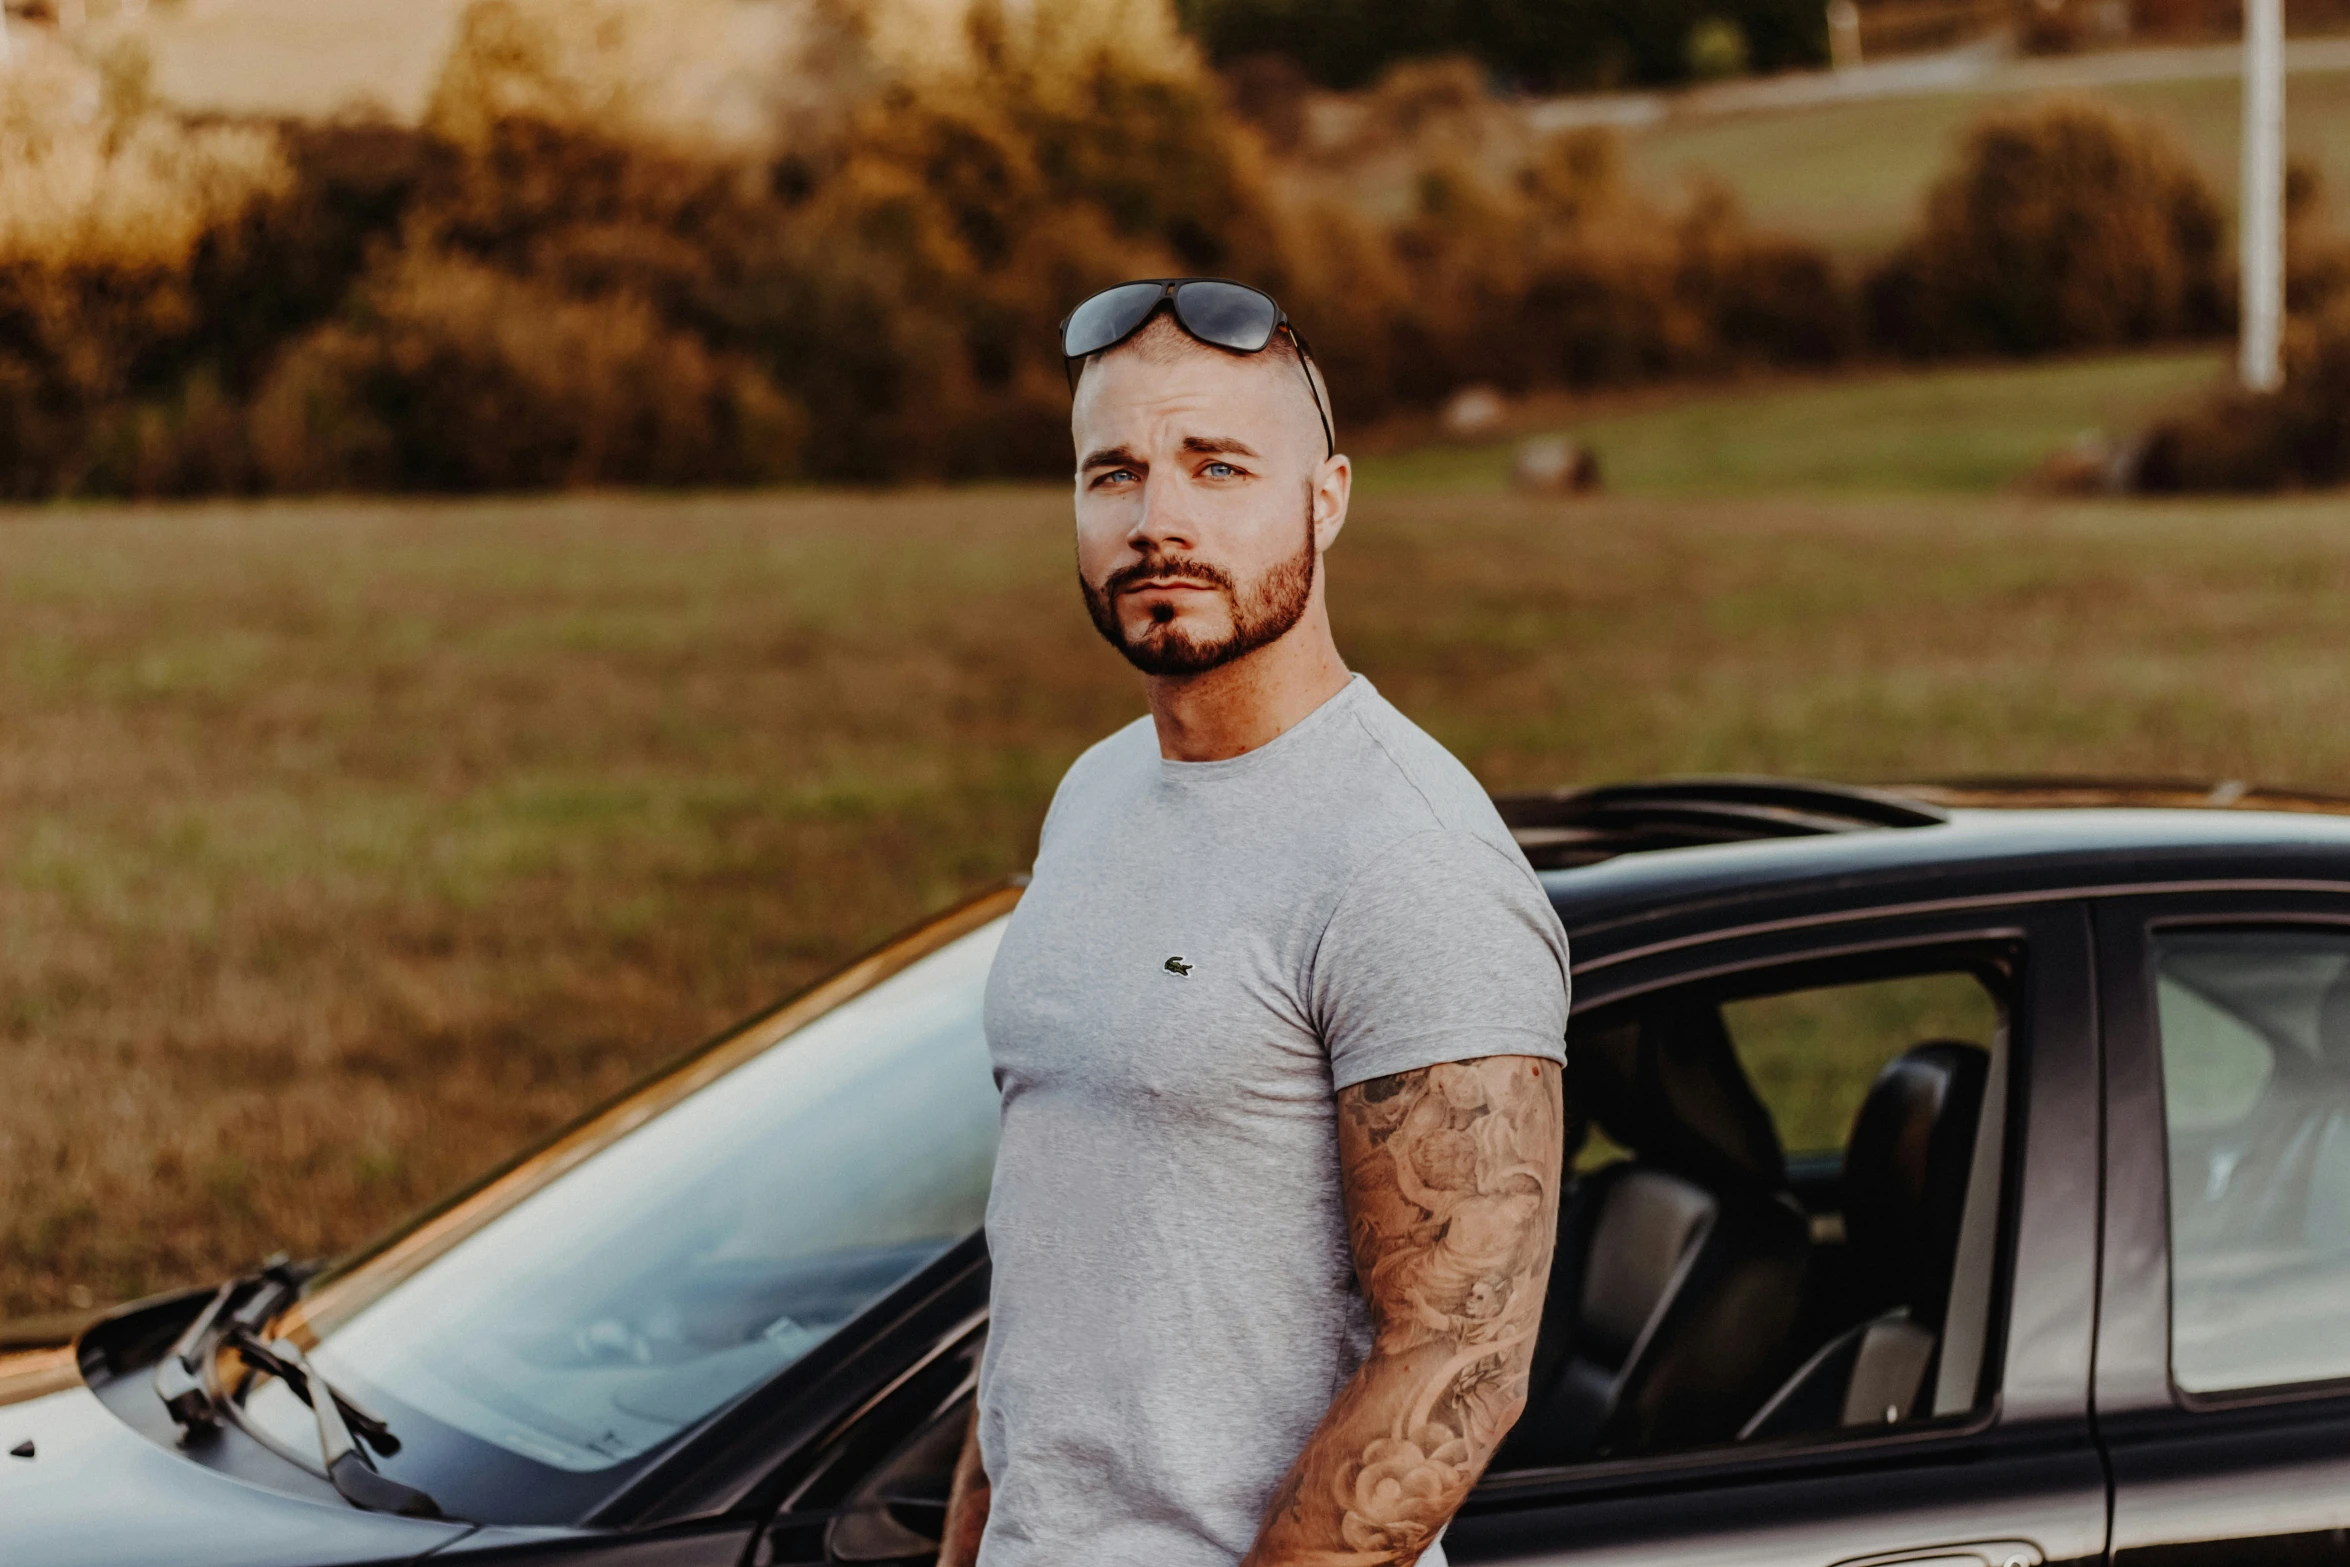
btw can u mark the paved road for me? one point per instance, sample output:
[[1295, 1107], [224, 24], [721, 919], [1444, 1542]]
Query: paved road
[[1979, 68]]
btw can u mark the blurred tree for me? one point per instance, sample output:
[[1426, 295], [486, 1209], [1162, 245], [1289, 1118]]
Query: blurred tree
[[551, 281], [1717, 49], [1533, 45], [2065, 225]]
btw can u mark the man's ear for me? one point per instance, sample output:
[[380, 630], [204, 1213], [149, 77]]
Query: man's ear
[[1333, 488]]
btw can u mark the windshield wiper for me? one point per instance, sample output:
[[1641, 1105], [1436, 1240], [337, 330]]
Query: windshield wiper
[[183, 1379], [235, 1317], [348, 1468]]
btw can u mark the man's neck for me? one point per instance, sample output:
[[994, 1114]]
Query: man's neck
[[1232, 710]]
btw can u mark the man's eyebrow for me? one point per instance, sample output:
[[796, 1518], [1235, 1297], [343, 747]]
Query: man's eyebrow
[[1218, 445], [1112, 457]]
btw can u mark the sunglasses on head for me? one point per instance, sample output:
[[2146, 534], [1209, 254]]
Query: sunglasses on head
[[1230, 316]]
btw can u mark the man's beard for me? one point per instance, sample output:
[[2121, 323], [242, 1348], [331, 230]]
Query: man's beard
[[1273, 604]]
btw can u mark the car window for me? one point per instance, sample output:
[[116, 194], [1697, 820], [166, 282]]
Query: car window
[[2215, 1065], [1812, 1054], [693, 1257], [2255, 1032], [1743, 1255]]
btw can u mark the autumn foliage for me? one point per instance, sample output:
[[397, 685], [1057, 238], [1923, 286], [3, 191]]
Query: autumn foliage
[[555, 281], [2063, 226], [575, 271]]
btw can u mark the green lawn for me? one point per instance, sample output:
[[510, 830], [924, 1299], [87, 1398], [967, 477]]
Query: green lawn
[[1966, 430], [1852, 175]]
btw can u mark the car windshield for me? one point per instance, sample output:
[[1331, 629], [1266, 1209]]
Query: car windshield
[[688, 1258]]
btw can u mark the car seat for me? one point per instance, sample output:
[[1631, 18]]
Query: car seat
[[1906, 1171], [1680, 1271]]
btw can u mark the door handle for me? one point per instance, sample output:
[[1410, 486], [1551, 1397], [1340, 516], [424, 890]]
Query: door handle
[[1987, 1553]]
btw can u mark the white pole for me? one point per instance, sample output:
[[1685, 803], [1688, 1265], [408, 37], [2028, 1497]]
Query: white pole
[[1843, 34], [2262, 204]]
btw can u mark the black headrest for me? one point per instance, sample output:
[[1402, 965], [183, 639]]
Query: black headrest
[[1906, 1171], [1670, 1088]]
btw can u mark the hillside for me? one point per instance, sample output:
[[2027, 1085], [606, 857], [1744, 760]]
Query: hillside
[[1850, 175]]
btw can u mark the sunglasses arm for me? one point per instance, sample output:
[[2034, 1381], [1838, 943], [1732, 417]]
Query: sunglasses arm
[[1306, 369]]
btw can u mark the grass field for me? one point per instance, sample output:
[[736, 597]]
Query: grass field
[[1966, 430], [345, 846], [1852, 175]]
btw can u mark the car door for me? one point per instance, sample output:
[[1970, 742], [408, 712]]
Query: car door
[[2223, 1363], [2017, 1480]]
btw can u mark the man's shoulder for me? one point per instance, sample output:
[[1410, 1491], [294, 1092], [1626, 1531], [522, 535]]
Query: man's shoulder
[[1123, 758], [1125, 749], [1422, 785]]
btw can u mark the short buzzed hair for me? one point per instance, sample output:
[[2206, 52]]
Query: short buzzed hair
[[1161, 341]]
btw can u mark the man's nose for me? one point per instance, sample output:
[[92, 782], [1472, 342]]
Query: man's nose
[[1165, 520]]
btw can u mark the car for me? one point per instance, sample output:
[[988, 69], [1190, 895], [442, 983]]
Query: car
[[1962, 1177]]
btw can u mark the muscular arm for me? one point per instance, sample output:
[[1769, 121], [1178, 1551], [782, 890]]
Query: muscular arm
[[1451, 1176], [967, 1500]]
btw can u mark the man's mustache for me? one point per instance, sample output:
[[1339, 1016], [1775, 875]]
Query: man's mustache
[[1166, 567]]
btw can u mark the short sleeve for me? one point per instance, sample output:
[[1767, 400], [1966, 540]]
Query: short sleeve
[[1445, 948]]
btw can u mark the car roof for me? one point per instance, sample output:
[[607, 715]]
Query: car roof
[[1968, 853]]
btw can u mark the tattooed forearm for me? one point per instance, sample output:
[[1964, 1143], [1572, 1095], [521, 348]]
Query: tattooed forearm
[[1452, 1184], [968, 1497]]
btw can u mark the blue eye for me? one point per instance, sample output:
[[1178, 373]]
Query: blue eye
[[1222, 469]]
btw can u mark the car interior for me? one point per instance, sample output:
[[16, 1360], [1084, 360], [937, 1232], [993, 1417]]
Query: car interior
[[1712, 1288], [1781, 1227]]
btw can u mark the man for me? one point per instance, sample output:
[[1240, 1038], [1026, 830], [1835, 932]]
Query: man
[[1278, 1028]]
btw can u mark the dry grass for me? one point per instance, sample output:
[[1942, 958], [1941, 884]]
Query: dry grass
[[343, 847]]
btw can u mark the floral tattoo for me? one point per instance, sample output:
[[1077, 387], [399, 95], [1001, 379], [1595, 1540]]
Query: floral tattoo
[[1451, 1176]]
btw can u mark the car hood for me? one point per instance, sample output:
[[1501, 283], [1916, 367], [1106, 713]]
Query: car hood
[[96, 1492]]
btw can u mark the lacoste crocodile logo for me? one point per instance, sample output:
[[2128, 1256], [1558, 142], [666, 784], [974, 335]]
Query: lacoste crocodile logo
[[1178, 966]]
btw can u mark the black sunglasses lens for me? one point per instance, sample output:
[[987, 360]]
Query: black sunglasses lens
[[1227, 315], [1108, 317]]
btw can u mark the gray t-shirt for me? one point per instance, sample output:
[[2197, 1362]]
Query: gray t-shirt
[[1208, 951]]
